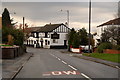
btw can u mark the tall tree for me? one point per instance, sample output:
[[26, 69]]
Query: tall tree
[[76, 41], [83, 36], [6, 22], [71, 38]]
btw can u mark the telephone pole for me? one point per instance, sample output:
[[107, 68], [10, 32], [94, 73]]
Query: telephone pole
[[89, 24]]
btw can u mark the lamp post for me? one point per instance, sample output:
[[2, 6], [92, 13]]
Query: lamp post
[[67, 16], [89, 25]]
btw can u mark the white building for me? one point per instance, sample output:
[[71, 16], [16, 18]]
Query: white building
[[49, 36], [102, 27]]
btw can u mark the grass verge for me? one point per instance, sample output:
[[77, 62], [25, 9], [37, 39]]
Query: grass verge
[[104, 56]]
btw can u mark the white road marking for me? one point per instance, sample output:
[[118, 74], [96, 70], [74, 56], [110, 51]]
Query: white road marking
[[64, 62], [117, 67], [70, 55], [46, 74], [86, 76], [72, 67], [59, 59]]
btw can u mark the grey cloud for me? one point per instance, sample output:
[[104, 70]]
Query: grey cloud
[[50, 11]]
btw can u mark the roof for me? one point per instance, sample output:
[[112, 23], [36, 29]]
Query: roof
[[48, 27], [111, 22], [31, 29]]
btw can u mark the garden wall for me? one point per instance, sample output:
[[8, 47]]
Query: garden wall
[[11, 52], [110, 51]]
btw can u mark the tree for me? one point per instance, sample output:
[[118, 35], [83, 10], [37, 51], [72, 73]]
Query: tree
[[6, 22], [83, 37], [10, 35], [111, 34], [70, 38], [76, 41]]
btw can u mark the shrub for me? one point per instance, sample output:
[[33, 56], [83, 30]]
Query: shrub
[[103, 46], [116, 47], [18, 36]]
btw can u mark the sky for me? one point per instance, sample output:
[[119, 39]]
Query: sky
[[40, 13]]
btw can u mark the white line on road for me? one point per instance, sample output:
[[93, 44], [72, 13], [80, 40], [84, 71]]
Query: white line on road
[[56, 57], [86, 76], [59, 59], [64, 62], [46, 74], [72, 67], [117, 67]]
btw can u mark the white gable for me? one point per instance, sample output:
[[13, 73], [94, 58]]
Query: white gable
[[62, 29]]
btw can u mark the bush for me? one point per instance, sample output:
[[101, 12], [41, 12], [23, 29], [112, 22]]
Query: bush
[[75, 42], [17, 35], [116, 47], [103, 46]]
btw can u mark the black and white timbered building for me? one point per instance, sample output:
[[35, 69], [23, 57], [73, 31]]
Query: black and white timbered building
[[49, 36]]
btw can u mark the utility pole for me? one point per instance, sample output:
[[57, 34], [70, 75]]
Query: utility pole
[[89, 24], [23, 23]]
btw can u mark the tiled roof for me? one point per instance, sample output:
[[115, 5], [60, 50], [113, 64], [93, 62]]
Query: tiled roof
[[111, 22], [48, 27], [31, 29]]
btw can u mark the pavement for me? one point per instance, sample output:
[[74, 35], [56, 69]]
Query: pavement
[[105, 62], [51, 63], [10, 67]]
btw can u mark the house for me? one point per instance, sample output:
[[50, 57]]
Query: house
[[49, 36], [100, 29]]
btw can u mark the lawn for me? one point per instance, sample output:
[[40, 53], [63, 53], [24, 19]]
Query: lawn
[[104, 56], [5, 45]]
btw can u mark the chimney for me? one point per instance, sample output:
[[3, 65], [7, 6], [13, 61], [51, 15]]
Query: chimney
[[66, 24]]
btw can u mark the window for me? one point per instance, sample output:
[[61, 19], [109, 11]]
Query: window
[[55, 40], [45, 42], [46, 34], [48, 42]]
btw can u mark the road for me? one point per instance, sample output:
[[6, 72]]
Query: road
[[50, 63]]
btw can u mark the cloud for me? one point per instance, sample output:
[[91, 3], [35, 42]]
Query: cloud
[[41, 13], [59, 0]]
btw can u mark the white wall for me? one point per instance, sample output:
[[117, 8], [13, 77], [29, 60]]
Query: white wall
[[44, 46], [61, 39]]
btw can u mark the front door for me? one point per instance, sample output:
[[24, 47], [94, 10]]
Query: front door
[[41, 44], [65, 42]]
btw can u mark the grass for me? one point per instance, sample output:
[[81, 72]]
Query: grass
[[104, 56], [5, 45]]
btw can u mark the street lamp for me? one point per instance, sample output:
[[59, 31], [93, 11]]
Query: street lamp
[[67, 16]]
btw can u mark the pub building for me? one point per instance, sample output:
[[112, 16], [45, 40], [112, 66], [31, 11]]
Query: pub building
[[49, 36]]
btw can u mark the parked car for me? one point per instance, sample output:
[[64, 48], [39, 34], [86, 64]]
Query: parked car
[[85, 49]]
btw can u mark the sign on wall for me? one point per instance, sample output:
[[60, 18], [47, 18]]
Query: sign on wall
[[55, 36]]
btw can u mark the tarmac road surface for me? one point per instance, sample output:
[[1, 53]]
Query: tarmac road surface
[[51, 63]]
